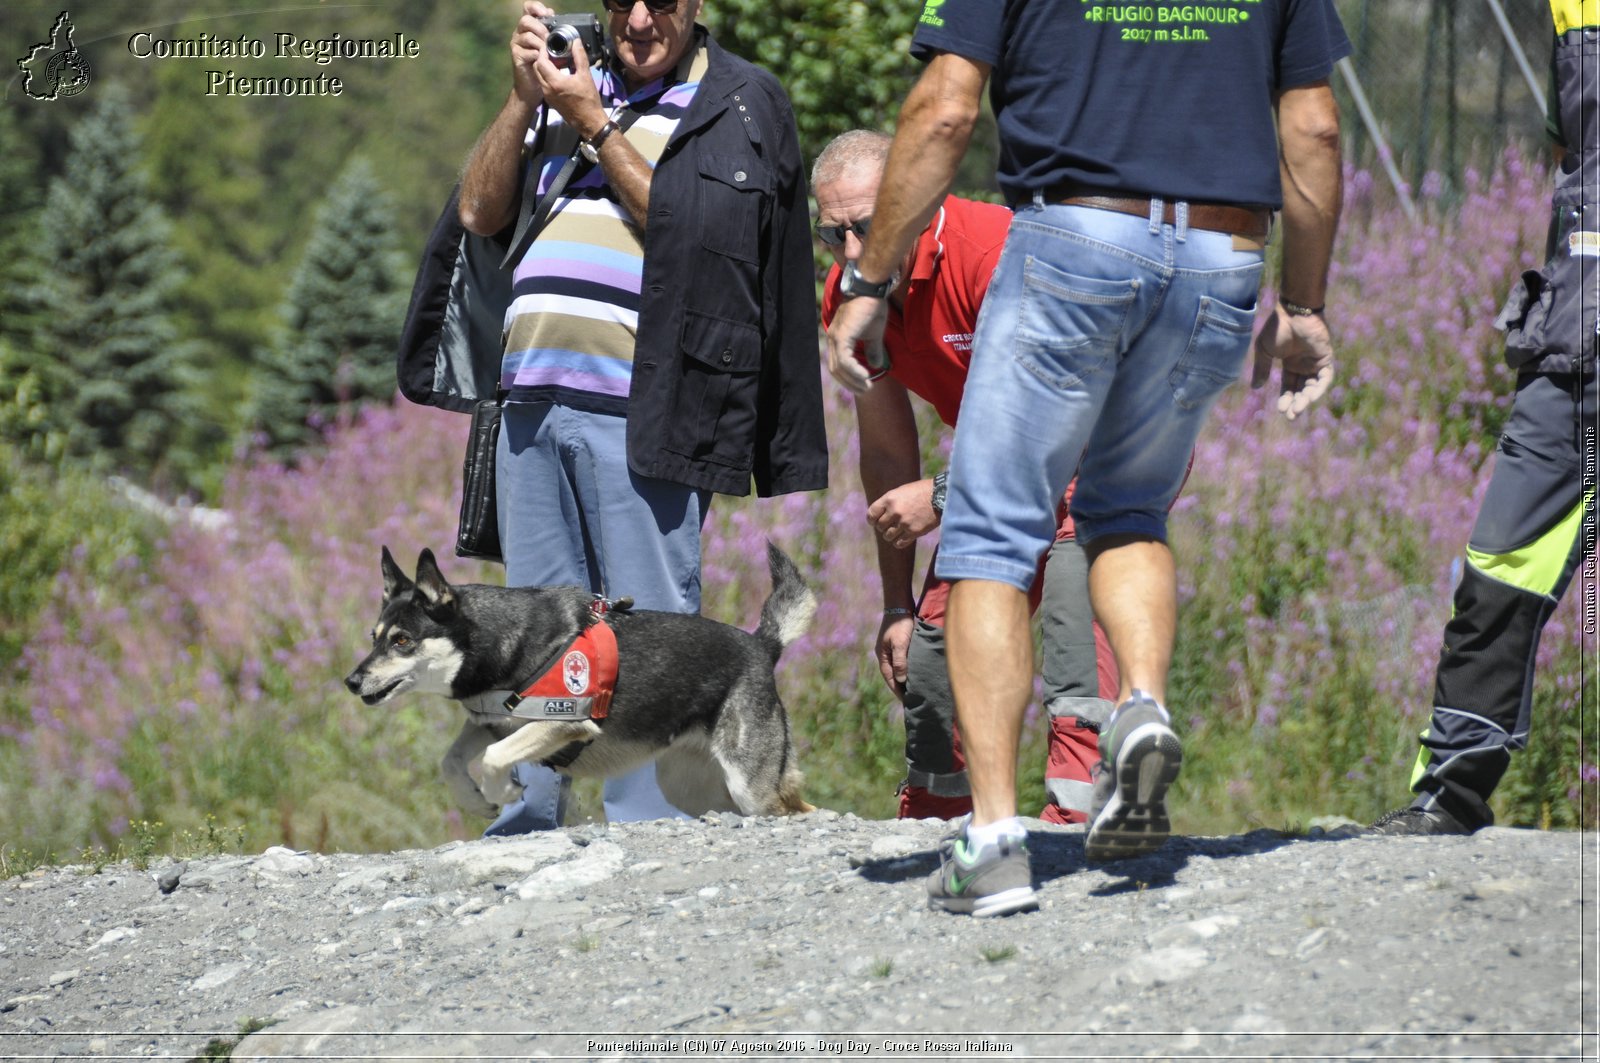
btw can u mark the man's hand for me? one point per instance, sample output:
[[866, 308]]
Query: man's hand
[[894, 647], [527, 47], [571, 93], [905, 514], [1304, 347], [857, 323]]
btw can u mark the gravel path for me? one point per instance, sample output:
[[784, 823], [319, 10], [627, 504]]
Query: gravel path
[[729, 938]]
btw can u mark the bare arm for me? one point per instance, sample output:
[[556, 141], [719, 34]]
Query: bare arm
[[628, 175], [890, 459], [489, 182], [891, 465], [935, 126], [1308, 131], [1309, 160]]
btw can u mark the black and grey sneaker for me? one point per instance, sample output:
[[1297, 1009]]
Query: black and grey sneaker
[[1414, 819], [998, 882], [1140, 758]]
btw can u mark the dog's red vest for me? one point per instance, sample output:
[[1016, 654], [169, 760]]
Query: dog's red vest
[[578, 684]]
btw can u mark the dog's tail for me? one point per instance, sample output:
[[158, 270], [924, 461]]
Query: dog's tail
[[789, 609]]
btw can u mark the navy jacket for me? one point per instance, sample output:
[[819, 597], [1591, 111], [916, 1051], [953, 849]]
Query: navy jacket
[[727, 378]]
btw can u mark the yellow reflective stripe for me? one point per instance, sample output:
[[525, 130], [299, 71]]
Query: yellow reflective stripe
[[1570, 14], [1420, 768], [1536, 567]]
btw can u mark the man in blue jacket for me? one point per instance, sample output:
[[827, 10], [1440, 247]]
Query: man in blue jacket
[[661, 341]]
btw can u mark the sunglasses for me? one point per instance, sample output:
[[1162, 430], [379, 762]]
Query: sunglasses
[[655, 7], [833, 235]]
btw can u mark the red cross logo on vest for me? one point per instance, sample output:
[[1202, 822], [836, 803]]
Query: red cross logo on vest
[[576, 669]]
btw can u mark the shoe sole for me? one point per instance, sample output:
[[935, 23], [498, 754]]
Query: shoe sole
[[1019, 899], [1134, 821]]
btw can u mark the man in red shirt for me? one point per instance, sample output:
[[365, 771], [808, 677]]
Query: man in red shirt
[[933, 310]]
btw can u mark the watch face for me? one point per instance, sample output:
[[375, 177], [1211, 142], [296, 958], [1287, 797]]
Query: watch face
[[587, 151]]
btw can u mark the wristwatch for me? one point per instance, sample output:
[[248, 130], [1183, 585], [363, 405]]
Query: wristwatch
[[940, 483], [590, 149], [853, 285]]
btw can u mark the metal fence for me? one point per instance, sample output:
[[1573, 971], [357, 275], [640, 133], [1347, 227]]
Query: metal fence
[[1436, 87]]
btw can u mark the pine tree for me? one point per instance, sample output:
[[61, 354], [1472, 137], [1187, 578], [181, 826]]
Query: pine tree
[[29, 382], [25, 413], [341, 318], [101, 288], [20, 193]]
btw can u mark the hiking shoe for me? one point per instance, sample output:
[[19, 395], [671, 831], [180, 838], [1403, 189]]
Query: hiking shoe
[[1140, 758], [998, 883], [1414, 819]]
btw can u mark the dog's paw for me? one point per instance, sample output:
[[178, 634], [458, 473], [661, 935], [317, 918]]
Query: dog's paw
[[462, 776], [470, 800], [497, 785], [474, 804]]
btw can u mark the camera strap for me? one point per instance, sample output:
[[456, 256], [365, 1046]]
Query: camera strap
[[533, 218]]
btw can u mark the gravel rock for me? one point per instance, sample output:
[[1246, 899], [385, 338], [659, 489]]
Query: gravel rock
[[730, 937]]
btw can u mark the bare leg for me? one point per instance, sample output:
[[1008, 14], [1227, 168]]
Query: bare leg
[[1135, 593], [1134, 587], [991, 671]]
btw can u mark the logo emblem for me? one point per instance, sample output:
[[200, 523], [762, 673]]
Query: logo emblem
[[55, 68], [560, 707], [575, 671], [959, 882]]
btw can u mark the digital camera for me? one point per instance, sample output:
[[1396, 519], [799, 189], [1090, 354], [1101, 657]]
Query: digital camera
[[567, 30]]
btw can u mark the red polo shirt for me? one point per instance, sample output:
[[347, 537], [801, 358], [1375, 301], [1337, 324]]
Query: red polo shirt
[[930, 340]]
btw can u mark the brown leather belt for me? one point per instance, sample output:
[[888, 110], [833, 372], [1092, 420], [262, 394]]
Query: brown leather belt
[[1215, 217]]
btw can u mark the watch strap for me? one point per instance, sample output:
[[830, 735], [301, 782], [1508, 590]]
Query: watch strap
[[852, 284], [594, 142]]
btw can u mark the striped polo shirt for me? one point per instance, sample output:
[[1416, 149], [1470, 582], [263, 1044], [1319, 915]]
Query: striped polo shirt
[[570, 328]]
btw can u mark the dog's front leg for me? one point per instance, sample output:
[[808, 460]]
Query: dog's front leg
[[534, 742], [457, 768]]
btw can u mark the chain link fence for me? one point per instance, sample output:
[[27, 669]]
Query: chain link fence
[[1439, 87]]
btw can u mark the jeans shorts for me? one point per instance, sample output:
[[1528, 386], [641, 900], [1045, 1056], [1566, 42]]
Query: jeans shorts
[[1103, 342]]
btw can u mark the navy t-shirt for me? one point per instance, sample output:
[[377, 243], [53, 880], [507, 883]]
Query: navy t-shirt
[[1164, 98]]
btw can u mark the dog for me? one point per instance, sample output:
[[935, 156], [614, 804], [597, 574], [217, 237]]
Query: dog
[[698, 697]]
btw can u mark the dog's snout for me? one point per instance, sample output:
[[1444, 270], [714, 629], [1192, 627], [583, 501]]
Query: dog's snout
[[353, 681]]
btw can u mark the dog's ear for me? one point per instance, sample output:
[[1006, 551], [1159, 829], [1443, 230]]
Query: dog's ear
[[394, 581], [431, 585]]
